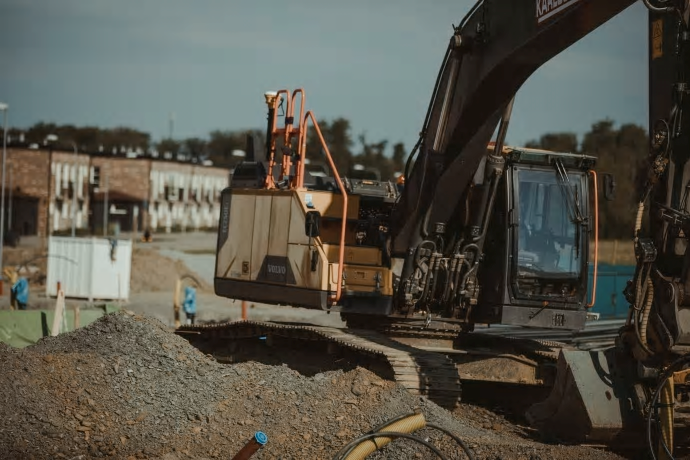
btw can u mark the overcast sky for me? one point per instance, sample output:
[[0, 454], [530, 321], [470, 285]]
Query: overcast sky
[[131, 63]]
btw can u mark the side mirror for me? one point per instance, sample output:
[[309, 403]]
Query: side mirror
[[312, 224], [609, 187]]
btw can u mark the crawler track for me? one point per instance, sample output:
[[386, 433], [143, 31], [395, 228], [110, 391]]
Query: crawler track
[[422, 372], [426, 362]]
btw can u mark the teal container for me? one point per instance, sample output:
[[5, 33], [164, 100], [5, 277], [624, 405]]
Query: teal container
[[611, 282]]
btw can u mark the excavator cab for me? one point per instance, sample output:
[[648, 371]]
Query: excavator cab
[[536, 262]]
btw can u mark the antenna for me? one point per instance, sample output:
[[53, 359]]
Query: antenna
[[171, 124]]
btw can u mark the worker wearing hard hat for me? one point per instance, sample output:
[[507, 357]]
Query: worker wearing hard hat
[[189, 304], [400, 183], [19, 294]]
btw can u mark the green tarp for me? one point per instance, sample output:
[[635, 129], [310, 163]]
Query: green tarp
[[21, 328]]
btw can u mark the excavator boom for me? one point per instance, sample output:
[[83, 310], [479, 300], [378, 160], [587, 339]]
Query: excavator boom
[[493, 51]]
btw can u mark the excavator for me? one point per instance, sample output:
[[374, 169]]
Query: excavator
[[485, 233]]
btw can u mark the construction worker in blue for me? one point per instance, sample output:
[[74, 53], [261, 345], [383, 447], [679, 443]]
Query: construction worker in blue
[[189, 304], [19, 294]]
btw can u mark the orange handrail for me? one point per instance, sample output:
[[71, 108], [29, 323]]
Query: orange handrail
[[596, 238], [298, 179], [341, 253], [302, 152], [301, 108], [289, 132]]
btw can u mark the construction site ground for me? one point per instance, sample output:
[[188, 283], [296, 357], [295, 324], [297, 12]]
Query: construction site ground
[[127, 387]]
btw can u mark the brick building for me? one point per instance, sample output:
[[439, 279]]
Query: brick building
[[163, 195], [185, 196]]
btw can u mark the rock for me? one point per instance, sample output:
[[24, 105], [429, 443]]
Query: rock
[[178, 412]]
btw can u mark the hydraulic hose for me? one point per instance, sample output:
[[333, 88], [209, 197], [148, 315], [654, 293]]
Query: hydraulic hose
[[391, 421], [454, 264], [434, 274], [382, 435], [460, 442], [389, 434], [641, 309], [638, 219], [358, 449], [645, 314], [665, 449], [456, 280], [658, 9], [668, 374]]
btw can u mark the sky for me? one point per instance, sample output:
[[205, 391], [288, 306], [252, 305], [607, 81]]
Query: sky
[[132, 63]]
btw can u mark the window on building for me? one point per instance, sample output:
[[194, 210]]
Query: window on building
[[95, 179]]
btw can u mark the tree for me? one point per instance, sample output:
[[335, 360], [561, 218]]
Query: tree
[[196, 147], [90, 139], [338, 139], [223, 143], [556, 142], [168, 146], [373, 156], [399, 157], [621, 152]]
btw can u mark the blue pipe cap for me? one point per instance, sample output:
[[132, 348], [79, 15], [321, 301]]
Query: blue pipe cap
[[261, 437]]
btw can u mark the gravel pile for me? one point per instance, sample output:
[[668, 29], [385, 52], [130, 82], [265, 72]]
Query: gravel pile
[[126, 387]]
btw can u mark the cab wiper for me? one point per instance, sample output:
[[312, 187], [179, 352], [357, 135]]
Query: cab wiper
[[572, 200]]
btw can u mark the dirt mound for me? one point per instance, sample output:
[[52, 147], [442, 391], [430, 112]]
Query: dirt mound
[[153, 272], [125, 387]]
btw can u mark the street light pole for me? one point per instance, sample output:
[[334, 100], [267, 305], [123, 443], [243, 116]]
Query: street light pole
[[49, 140], [105, 204], [4, 108], [74, 190], [9, 213]]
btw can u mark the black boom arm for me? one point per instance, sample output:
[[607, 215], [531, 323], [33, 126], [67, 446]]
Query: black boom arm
[[493, 51]]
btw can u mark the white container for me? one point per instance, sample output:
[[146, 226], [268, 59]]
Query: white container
[[85, 269]]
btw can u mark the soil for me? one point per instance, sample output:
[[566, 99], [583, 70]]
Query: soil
[[127, 387], [154, 272]]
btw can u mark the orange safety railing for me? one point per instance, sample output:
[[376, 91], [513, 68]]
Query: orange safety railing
[[288, 132], [341, 252], [596, 238]]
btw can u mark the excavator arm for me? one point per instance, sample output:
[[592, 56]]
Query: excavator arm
[[493, 51]]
